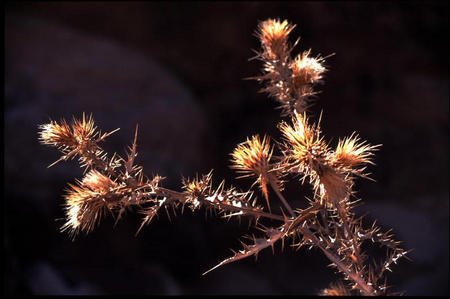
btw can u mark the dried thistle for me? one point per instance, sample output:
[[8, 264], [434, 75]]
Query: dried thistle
[[273, 35], [87, 201], [197, 190], [290, 81], [253, 158], [306, 70], [304, 149], [81, 139], [350, 153], [117, 184], [59, 135]]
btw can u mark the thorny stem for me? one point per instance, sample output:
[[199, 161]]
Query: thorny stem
[[181, 197], [362, 285], [281, 197], [283, 75], [343, 215]]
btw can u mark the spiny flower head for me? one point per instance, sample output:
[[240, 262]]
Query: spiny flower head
[[350, 152], [98, 182], [58, 135], [198, 187], [65, 136], [306, 70], [87, 201], [81, 138], [84, 129], [252, 157], [273, 35], [303, 147]]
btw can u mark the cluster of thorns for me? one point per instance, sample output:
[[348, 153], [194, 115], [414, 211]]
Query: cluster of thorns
[[117, 184]]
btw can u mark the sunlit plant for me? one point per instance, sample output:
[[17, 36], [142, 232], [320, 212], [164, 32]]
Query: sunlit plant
[[112, 185]]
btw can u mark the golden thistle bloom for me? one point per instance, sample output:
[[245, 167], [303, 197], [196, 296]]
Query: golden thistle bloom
[[252, 157], [59, 135], [87, 202], [81, 138], [306, 70], [98, 182], [84, 129], [350, 152], [306, 152], [62, 135], [273, 35], [303, 147]]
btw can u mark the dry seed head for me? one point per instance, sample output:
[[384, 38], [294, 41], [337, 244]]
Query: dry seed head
[[303, 145], [252, 158], [65, 136], [84, 129], [98, 182], [306, 70], [350, 152], [84, 209], [197, 189], [273, 35], [87, 202], [59, 135]]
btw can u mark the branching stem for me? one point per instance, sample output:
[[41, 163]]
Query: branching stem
[[366, 289]]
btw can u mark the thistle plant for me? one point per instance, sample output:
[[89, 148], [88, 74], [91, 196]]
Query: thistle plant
[[114, 185]]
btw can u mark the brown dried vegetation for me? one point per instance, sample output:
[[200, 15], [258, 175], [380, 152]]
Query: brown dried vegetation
[[113, 185]]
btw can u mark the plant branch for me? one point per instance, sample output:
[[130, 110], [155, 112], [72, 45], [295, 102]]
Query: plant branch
[[281, 197]]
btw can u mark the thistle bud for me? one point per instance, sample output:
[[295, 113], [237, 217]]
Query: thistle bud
[[273, 35]]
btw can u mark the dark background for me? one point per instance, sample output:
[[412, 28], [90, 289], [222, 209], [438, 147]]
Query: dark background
[[177, 69]]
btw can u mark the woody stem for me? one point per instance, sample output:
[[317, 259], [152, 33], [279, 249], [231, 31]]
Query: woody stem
[[281, 197]]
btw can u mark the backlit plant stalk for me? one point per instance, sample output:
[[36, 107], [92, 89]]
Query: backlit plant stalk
[[115, 185]]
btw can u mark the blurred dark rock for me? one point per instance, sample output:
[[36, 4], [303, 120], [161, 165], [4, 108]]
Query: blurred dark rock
[[45, 280], [56, 72]]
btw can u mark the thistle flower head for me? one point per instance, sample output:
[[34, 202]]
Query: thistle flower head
[[252, 156], [306, 70], [303, 147], [98, 182], [87, 202], [350, 152], [64, 136], [83, 209], [81, 138], [84, 129], [197, 190], [273, 35], [58, 135], [198, 187]]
